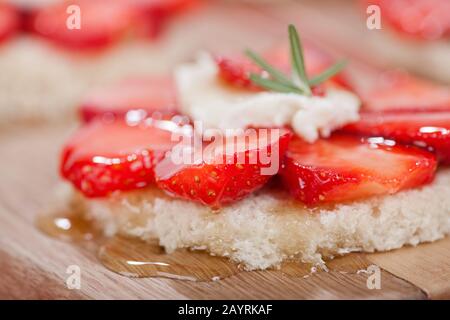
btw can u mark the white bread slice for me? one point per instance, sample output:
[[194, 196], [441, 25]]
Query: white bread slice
[[268, 227]]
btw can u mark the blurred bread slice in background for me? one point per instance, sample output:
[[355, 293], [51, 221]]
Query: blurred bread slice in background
[[42, 82]]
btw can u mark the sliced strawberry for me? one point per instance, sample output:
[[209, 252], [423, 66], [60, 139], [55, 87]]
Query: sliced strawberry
[[105, 157], [102, 23], [216, 179], [424, 129], [396, 91], [424, 19], [144, 96], [236, 70], [345, 168], [9, 21]]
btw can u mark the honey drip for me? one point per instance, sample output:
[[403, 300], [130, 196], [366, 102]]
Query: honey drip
[[68, 226], [135, 258]]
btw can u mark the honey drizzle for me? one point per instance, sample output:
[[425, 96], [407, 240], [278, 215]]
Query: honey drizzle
[[68, 226], [135, 258]]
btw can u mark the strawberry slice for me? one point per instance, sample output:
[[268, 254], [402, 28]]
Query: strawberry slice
[[105, 157], [396, 91], [152, 14], [422, 19], [9, 21], [102, 23], [345, 168], [219, 177], [145, 97], [236, 70], [423, 129]]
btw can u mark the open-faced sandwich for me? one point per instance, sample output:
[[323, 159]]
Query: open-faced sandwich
[[265, 158]]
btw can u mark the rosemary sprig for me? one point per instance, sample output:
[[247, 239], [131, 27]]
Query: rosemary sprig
[[273, 85], [263, 64], [299, 82], [298, 61], [328, 73]]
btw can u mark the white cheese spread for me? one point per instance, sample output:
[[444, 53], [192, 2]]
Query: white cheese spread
[[206, 98]]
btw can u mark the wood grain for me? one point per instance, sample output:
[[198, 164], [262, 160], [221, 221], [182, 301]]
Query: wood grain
[[426, 266], [34, 266]]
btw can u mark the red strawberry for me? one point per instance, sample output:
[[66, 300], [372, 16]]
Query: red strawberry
[[152, 14], [345, 168], [102, 23], [425, 19], [236, 70], [104, 157], [424, 129], [394, 91], [145, 96], [9, 21], [219, 179]]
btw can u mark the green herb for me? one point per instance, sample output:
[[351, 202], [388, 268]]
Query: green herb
[[299, 82], [330, 72]]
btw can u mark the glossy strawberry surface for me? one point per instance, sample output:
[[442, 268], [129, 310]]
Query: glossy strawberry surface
[[217, 177], [101, 157], [430, 130]]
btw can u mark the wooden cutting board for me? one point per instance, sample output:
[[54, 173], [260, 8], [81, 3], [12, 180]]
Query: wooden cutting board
[[33, 265]]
